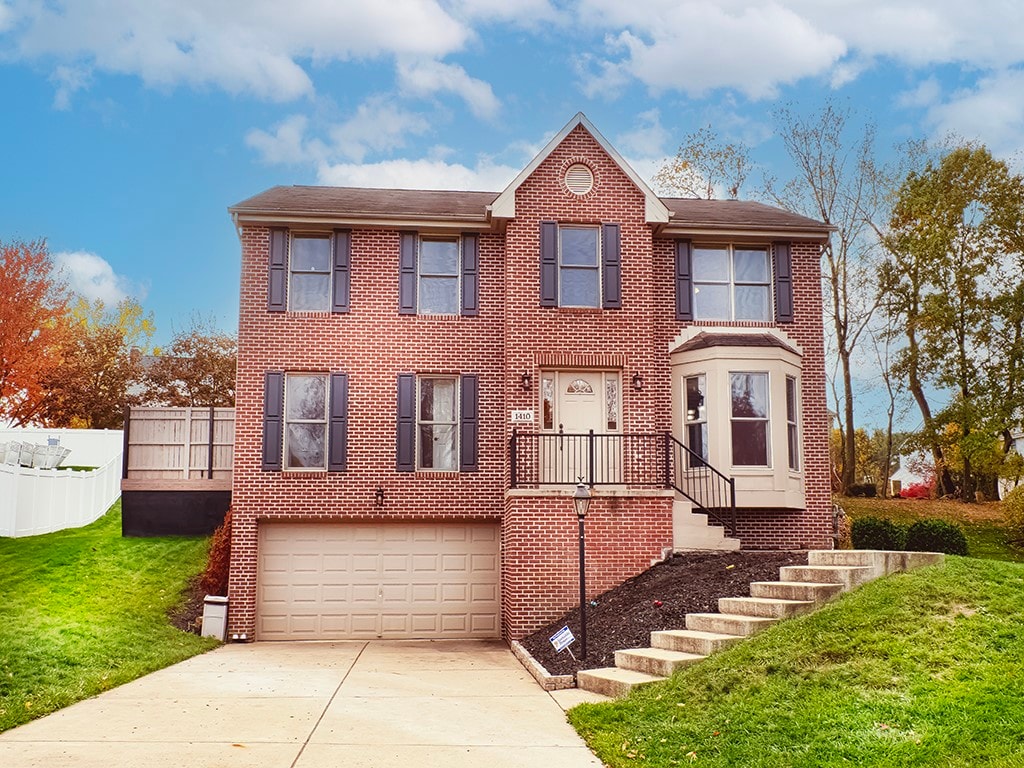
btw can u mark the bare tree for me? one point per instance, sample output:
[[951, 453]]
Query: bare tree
[[703, 165], [837, 182]]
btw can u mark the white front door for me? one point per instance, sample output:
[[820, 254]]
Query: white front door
[[574, 403]]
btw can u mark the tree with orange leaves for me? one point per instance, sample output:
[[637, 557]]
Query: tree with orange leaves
[[33, 307]]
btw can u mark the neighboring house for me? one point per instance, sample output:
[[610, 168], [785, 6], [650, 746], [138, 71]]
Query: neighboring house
[[915, 469], [1007, 484], [419, 373]]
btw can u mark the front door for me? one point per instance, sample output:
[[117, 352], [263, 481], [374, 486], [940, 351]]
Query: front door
[[574, 404]]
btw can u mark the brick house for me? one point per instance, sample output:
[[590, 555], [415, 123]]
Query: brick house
[[423, 377]]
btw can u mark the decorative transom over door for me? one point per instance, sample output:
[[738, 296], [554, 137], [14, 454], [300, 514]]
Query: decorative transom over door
[[574, 404]]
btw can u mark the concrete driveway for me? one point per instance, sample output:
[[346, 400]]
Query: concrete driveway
[[313, 705]]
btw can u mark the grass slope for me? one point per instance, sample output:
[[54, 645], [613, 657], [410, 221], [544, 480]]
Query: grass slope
[[920, 669], [983, 524], [84, 610]]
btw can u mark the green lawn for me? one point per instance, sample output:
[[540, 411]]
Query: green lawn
[[921, 669], [84, 610], [982, 523]]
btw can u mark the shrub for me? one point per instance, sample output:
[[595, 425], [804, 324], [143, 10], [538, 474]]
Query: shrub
[[936, 536], [917, 491], [215, 577], [1013, 508], [863, 490], [876, 533]]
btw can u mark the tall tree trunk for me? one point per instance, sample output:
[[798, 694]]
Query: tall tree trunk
[[850, 445]]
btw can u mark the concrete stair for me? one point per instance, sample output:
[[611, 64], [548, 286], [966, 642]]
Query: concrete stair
[[691, 530], [801, 589]]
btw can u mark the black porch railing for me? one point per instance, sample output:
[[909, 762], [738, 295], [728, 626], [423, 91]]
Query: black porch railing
[[635, 460]]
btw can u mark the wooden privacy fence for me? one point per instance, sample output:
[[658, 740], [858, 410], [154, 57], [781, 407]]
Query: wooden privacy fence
[[178, 447]]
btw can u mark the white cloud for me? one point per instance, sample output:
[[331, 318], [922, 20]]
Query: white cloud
[[647, 138], [92, 277], [378, 125], [992, 112], [522, 13], [420, 174], [696, 47], [425, 78], [753, 47], [925, 94], [6, 17], [252, 46], [69, 80]]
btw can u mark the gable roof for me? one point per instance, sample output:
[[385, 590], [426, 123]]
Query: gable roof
[[739, 216], [504, 206]]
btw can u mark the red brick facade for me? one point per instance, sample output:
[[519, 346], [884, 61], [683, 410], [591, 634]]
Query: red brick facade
[[511, 335]]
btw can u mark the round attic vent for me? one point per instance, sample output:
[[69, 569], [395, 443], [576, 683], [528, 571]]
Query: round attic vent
[[579, 179]]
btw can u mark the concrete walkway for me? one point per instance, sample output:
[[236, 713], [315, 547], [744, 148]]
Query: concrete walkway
[[313, 705]]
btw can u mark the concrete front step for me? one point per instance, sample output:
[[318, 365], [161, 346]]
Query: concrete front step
[[849, 576], [766, 607], [612, 681], [655, 661], [795, 590], [727, 624], [692, 641], [881, 561]]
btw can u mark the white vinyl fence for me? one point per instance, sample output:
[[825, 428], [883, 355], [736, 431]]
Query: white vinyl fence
[[34, 501]]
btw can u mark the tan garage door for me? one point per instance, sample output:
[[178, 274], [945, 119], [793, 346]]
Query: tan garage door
[[348, 581]]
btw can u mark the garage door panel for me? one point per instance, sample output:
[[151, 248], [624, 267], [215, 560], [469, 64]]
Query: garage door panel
[[337, 581]]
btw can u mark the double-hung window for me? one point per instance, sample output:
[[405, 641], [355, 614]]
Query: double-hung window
[[580, 265], [579, 262], [438, 279], [731, 283], [792, 430], [309, 272], [437, 423], [309, 280], [305, 421], [305, 435], [749, 419], [696, 421], [438, 275]]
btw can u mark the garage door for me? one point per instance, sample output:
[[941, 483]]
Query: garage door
[[320, 581]]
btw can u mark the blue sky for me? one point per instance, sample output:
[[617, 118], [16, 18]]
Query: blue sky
[[131, 126]]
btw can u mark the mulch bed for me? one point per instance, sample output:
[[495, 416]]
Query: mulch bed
[[657, 599], [187, 614]]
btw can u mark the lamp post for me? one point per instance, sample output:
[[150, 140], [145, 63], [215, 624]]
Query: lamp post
[[581, 503]]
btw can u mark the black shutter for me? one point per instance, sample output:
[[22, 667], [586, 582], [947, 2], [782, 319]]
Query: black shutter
[[611, 257], [684, 281], [469, 425], [549, 264], [783, 283], [407, 274], [470, 274], [406, 461], [342, 282], [337, 436], [273, 420], [278, 280]]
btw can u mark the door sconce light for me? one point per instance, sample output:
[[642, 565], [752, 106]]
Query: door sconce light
[[638, 382], [378, 497], [525, 380]]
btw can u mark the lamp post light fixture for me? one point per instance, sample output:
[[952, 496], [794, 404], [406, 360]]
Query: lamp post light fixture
[[378, 497], [581, 503], [638, 382], [525, 380]]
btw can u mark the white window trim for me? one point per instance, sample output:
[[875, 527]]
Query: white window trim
[[732, 283], [596, 268], [756, 487], [767, 420], [456, 445], [286, 421], [795, 462], [421, 274], [328, 273]]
